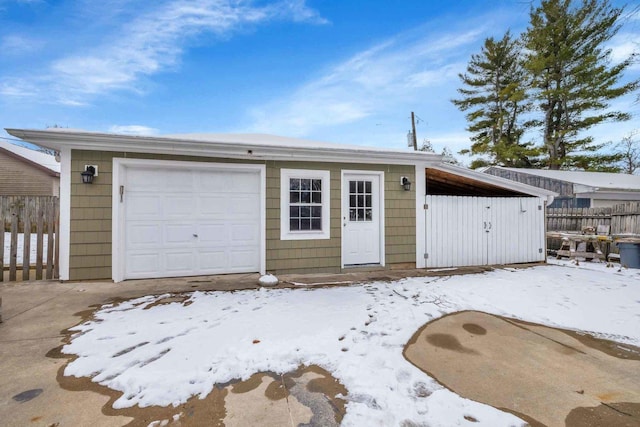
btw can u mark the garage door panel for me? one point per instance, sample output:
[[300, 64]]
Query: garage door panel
[[216, 234], [245, 205], [181, 234], [243, 183], [140, 234], [212, 205], [178, 206], [143, 264], [213, 260], [179, 261], [242, 259], [145, 180], [144, 206], [244, 233], [177, 180], [215, 181], [190, 221]]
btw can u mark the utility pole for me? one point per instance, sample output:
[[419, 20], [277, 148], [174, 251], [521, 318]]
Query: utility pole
[[413, 127]]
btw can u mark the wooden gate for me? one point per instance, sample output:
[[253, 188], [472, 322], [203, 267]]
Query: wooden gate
[[462, 231], [28, 241]]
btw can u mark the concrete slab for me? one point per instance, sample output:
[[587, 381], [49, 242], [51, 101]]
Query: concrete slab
[[35, 316], [546, 376]]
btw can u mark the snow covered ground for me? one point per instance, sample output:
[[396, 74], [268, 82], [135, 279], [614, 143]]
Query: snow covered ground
[[162, 354], [32, 248]]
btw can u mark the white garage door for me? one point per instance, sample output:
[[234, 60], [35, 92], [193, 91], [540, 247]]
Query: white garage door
[[190, 221]]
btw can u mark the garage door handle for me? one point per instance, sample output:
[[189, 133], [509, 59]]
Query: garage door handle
[[195, 235]]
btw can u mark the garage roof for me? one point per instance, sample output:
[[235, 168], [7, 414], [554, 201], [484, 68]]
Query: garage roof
[[596, 180], [244, 146]]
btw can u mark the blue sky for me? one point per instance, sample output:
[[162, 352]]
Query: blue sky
[[338, 71]]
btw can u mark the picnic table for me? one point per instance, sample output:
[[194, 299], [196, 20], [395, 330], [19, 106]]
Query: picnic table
[[580, 244]]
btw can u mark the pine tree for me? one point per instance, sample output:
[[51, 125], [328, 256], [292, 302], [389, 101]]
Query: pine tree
[[494, 94], [572, 78]]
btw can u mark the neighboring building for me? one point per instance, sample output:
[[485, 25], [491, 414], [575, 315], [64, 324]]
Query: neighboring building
[[188, 205], [25, 172], [576, 189]]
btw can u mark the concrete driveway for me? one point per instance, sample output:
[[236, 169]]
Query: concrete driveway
[[36, 314], [544, 375]]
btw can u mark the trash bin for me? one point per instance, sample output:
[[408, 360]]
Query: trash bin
[[629, 254]]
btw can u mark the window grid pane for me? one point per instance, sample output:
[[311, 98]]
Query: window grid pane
[[305, 204]]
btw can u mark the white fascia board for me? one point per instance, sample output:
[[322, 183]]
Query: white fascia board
[[64, 239], [159, 145], [421, 191], [497, 181]]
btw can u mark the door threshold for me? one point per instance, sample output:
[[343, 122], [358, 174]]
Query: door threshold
[[363, 267]]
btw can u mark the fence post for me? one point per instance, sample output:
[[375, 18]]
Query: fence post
[[13, 250], [56, 229], [40, 230], [26, 242], [2, 221], [50, 221]]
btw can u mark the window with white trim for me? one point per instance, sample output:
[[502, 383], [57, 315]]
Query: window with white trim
[[304, 204]]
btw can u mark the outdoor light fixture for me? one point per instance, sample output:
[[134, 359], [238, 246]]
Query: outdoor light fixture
[[88, 174], [404, 181]]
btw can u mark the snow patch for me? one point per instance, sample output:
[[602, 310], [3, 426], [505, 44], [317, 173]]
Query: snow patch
[[268, 280], [163, 354]]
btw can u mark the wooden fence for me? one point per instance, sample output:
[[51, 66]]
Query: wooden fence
[[623, 219], [26, 219]]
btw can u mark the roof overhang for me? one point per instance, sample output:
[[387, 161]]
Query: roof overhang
[[82, 140], [496, 181]]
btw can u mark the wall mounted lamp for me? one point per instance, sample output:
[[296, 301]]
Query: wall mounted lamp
[[90, 171], [404, 181]]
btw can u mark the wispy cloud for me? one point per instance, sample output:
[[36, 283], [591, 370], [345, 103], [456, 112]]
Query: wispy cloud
[[18, 44], [393, 72], [133, 130], [149, 44]]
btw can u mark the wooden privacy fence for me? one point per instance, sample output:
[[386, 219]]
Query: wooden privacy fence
[[29, 221], [623, 219]]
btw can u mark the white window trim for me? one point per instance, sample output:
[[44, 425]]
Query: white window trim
[[325, 176]]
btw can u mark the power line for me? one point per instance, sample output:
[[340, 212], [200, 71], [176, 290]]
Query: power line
[[11, 139]]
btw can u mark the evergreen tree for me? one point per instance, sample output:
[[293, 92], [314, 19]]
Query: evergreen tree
[[494, 95], [572, 77], [447, 155]]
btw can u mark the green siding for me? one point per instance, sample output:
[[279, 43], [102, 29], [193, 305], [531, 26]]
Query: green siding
[[91, 216]]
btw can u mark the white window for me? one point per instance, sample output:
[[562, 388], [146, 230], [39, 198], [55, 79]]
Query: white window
[[304, 204]]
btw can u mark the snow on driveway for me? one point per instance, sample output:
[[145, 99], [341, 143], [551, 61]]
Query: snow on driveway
[[162, 354]]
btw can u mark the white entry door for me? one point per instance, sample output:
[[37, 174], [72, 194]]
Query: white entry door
[[184, 221], [361, 212]]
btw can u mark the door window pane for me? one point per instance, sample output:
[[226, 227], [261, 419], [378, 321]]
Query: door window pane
[[360, 201]]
